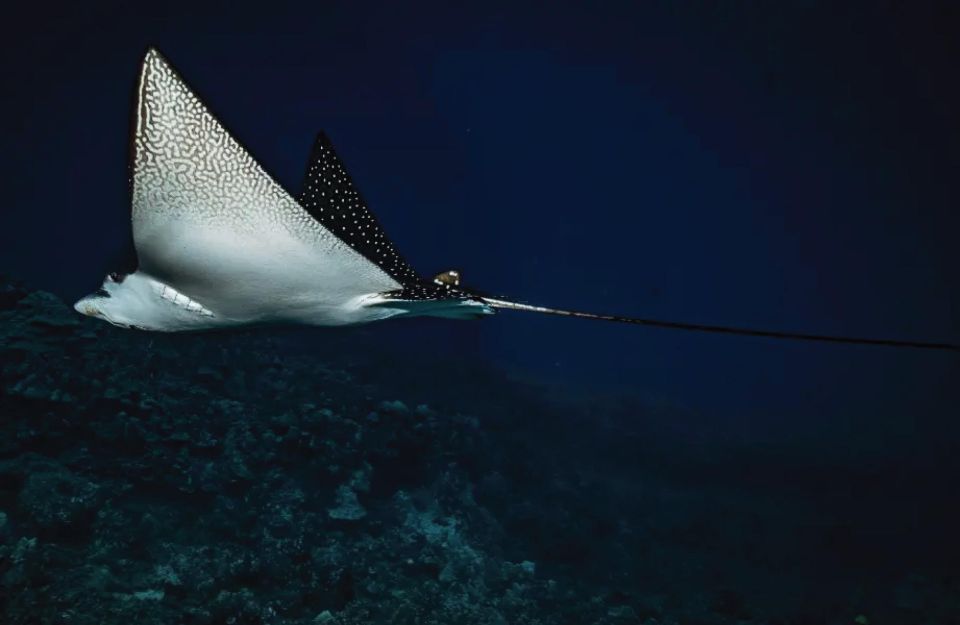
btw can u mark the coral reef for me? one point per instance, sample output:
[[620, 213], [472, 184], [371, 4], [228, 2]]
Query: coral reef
[[233, 478]]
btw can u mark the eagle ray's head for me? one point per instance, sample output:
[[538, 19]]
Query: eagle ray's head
[[121, 300]]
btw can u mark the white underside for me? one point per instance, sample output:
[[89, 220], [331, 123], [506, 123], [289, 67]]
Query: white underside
[[263, 277], [199, 277]]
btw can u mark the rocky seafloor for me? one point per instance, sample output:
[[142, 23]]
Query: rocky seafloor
[[234, 478]]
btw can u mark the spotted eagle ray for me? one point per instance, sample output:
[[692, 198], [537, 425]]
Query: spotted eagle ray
[[220, 243]]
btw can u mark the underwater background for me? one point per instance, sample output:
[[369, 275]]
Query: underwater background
[[787, 166]]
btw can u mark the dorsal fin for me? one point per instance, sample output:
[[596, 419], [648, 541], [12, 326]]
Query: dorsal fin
[[329, 195]]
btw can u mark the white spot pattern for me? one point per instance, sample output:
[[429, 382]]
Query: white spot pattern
[[331, 197]]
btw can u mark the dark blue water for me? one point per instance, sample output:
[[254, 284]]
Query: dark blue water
[[787, 167]]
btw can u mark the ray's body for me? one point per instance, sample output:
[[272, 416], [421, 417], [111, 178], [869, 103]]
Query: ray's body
[[221, 244]]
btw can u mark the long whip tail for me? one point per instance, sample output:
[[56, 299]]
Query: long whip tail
[[697, 327]]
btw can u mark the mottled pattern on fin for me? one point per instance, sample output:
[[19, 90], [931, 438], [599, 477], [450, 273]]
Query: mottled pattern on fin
[[190, 176], [188, 168], [329, 195]]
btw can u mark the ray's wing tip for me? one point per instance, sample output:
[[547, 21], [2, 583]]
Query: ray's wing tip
[[153, 63], [153, 54], [322, 140]]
